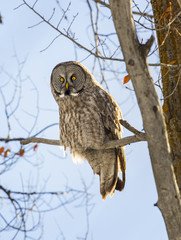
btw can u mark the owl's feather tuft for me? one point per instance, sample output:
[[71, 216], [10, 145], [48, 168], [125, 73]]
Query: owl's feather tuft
[[77, 158]]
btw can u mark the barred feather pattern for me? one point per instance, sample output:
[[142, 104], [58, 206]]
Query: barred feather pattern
[[89, 117]]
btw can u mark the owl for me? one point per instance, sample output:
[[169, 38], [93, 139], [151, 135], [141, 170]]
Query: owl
[[88, 118]]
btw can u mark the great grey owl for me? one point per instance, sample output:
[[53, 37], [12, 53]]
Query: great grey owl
[[89, 117]]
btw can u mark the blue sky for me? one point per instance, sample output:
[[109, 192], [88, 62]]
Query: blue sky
[[129, 215]]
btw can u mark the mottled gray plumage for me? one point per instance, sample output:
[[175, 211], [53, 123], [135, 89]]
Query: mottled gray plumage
[[89, 117]]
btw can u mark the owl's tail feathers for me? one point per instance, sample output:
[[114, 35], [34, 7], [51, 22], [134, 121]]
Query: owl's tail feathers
[[109, 181], [120, 183], [107, 164], [122, 166]]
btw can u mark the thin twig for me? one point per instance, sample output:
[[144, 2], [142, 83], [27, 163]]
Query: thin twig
[[71, 38]]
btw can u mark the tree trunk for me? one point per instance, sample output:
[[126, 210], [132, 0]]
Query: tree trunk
[[167, 15], [153, 121]]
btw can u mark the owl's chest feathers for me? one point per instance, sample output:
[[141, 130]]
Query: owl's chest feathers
[[81, 124]]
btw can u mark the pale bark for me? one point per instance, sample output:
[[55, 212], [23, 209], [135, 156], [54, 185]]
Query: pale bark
[[111, 144], [139, 136], [153, 122]]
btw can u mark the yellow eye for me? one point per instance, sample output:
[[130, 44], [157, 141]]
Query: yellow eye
[[61, 79], [73, 78]]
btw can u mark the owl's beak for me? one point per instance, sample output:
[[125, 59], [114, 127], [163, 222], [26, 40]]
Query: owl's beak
[[67, 92]]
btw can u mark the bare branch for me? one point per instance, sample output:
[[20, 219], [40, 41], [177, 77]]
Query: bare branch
[[131, 128], [102, 3], [70, 37], [124, 141], [28, 205], [143, 14], [40, 140], [139, 136], [110, 144], [107, 145]]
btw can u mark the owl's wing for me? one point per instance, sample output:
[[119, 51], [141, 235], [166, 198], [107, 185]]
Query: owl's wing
[[111, 114]]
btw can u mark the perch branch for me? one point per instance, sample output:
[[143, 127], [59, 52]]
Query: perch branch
[[139, 136], [124, 141], [107, 145], [40, 140], [111, 144]]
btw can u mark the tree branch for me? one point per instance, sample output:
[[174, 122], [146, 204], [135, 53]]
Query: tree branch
[[41, 140], [102, 3], [131, 128], [111, 144], [68, 36], [124, 141], [139, 136]]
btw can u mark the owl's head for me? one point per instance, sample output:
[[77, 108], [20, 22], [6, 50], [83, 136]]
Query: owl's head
[[68, 79]]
